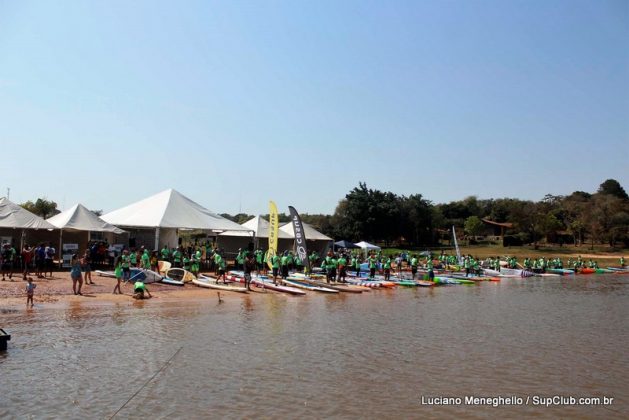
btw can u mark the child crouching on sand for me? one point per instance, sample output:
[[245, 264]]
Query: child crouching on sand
[[30, 291]]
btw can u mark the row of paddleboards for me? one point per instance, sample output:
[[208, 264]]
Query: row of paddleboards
[[174, 276]]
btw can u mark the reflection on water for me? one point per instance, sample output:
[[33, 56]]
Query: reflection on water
[[370, 355]]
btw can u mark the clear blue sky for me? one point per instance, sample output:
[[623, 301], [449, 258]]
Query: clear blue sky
[[234, 103]]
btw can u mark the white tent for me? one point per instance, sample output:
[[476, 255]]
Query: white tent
[[316, 240], [231, 240], [169, 210], [366, 246], [13, 216], [17, 217], [80, 218], [257, 225], [311, 233]]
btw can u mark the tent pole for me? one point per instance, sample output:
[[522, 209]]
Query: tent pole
[[156, 238], [60, 250]]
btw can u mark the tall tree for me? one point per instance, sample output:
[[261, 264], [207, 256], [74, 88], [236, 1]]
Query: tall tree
[[473, 226], [42, 207], [613, 187]]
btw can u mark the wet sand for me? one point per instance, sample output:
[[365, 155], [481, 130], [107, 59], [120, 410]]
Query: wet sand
[[57, 290]]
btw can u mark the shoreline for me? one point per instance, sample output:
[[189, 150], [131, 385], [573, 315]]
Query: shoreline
[[57, 291]]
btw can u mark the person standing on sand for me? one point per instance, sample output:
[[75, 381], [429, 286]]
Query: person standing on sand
[[27, 258], [194, 264], [30, 291], [40, 256], [165, 252], [50, 257], [177, 258], [145, 260], [154, 262], [118, 274], [7, 261], [126, 263], [75, 274], [86, 264], [133, 258]]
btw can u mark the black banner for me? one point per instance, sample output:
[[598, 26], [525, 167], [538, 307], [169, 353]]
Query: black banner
[[300, 238]]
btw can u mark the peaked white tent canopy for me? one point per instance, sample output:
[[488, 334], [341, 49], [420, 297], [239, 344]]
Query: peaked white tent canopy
[[17, 217], [169, 210], [80, 218], [311, 233], [258, 226]]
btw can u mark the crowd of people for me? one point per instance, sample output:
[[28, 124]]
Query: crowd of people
[[39, 258], [194, 258]]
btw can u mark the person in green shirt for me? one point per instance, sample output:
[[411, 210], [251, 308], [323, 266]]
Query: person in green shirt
[[139, 288], [357, 265], [622, 262], [239, 259], [165, 252], [146, 260], [133, 258], [186, 263], [118, 274], [195, 259], [313, 258], [387, 269], [259, 256], [284, 264], [219, 261], [342, 267], [373, 262], [126, 265], [414, 264], [299, 266], [275, 263], [177, 257]]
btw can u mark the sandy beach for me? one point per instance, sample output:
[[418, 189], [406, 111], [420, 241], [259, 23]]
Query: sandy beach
[[57, 290]]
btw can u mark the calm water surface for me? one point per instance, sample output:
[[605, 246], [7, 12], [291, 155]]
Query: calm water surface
[[371, 356]]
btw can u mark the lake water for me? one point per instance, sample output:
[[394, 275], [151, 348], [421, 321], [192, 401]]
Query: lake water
[[372, 355]]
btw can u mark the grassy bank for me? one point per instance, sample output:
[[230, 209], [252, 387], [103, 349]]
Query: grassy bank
[[599, 253]]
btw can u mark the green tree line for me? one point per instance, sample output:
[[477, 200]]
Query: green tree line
[[391, 219], [387, 218]]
